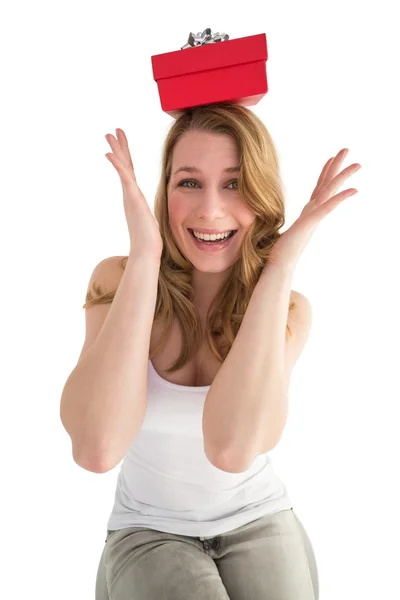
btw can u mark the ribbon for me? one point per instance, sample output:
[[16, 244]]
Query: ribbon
[[203, 38]]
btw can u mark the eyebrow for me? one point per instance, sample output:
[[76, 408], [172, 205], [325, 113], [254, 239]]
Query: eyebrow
[[196, 170]]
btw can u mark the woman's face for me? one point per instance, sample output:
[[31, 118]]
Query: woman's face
[[204, 195]]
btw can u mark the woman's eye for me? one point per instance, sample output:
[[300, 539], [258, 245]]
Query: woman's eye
[[186, 181], [195, 182]]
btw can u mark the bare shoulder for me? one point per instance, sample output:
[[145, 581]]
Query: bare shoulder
[[111, 265], [104, 281], [299, 299], [299, 322], [107, 273], [300, 317]]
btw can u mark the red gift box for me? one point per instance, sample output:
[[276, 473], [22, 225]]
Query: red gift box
[[227, 71]]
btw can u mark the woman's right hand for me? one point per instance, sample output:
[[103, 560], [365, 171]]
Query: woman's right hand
[[143, 228]]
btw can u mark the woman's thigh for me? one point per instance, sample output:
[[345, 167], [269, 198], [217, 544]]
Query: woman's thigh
[[144, 564], [270, 558]]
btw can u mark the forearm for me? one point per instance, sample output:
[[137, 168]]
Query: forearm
[[247, 400], [104, 400]]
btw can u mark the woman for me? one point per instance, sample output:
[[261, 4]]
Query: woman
[[199, 512]]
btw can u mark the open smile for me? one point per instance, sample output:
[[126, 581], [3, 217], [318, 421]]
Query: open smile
[[210, 246]]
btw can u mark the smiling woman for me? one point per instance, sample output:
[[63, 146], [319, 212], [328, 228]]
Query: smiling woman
[[213, 142], [195, 422], [209, 204]]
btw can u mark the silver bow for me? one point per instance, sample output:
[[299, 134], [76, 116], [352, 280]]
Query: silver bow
[[203, 38]]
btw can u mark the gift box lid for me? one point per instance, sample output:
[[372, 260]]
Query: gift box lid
[[202, 58]]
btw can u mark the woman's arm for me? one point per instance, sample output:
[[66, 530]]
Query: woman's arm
[[245, 410]]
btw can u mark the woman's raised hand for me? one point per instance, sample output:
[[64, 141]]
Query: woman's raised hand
[[144, 233]]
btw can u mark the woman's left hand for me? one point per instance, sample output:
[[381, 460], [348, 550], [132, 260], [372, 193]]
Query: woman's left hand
[[291, 243]]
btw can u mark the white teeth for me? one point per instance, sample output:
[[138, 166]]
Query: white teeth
[[212, 237]]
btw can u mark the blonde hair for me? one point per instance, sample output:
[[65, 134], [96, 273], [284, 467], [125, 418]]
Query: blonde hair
[[260, 186]]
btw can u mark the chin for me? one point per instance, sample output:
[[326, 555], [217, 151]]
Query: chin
[[211, 268]]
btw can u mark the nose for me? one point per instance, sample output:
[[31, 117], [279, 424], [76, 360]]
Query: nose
[[212, 206]]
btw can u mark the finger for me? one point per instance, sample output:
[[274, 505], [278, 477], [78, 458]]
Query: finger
[[327, 207], [125, 173], [330, 169], [324, 171], [124, 145], [336, 163], [343, 195], [321, 178], [116, 148], [331, 187]]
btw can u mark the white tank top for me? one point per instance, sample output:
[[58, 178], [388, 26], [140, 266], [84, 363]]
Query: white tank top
[[166, 482]]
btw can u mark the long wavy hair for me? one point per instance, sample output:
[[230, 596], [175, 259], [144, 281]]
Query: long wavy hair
[[260, 186]]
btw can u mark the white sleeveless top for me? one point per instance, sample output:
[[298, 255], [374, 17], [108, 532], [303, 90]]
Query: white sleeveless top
[[166, 482]]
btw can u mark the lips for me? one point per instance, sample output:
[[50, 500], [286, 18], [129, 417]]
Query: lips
[[234, 231], [211, 248]]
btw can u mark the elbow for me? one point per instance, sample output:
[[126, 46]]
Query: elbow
[[225, 463], [233, 467], [241, 463], [94, 465]]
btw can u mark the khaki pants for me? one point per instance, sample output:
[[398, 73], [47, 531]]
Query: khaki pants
[[268, 559]]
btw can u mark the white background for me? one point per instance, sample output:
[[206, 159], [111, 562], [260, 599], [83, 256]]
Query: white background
[[72, 72]]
